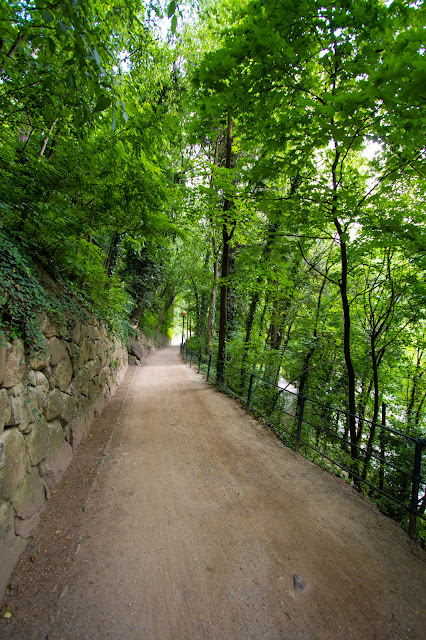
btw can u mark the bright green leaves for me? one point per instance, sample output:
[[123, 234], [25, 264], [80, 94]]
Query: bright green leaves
[[73, 52], [172, 13]]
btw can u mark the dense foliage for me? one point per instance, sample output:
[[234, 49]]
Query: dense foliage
[[311, 118], [262, 170], [88, 104]]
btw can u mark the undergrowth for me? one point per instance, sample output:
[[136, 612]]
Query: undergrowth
[[27, 290]]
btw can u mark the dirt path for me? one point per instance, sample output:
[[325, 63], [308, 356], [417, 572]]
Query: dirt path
[[183, 519]]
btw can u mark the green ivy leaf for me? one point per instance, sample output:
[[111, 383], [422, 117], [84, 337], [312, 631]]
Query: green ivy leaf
[[174, 24]]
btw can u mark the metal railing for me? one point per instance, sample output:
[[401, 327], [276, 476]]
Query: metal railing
[[387, 466]]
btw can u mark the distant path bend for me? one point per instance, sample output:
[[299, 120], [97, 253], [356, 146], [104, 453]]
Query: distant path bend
[[196, 524]]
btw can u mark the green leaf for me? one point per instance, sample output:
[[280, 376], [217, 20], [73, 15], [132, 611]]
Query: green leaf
[[52, 46], [171, 9], [97, 56], [71, 81], [65, 111], [47, 82], [35, 41], [173, 24], [102, 104], [47, 17], [123, 112], [64, 28]]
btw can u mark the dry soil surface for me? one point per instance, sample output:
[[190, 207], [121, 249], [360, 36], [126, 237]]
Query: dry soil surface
[[182, 518]]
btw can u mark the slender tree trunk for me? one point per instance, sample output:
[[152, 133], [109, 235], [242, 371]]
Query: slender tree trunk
[[53, 147], [169, 301], [111, 260], [15, 45], [311, 351], [372, 433], [361, 407], [415, 380], [213, 294], [347, 343], [228, 229], [249, 327], [273, 328], [382, 449], [46, 140], [212, 306], [262, 315], [223, 320]]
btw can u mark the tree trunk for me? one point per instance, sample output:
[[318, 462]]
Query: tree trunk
[[212, 306], [372, 433], [347, 345], [213, 294], [169, 301], [273, 228], [46, 140], [223, 319], [111, 260], [226, 238], [311, 351], [15, 45], [249, 327], [361, 407]]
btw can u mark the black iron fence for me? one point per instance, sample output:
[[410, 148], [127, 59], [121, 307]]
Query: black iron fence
[[387, 465]]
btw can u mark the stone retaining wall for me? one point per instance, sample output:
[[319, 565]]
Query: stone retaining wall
[[47, 405]]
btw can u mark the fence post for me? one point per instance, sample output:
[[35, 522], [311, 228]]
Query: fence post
[[250, 387], [300, 422], [199, 362], [420, 442]]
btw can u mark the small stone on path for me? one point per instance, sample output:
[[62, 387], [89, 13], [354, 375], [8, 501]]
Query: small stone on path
[[64, 592], [299, 583]]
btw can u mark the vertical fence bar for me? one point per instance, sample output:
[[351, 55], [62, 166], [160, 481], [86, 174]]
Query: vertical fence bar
[[415, 487], [190, 358], [199, 362], [250, 387], [300, 422], [208, 367], [186, 352]]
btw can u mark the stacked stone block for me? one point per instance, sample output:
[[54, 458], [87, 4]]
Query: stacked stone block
[[47, 405]]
